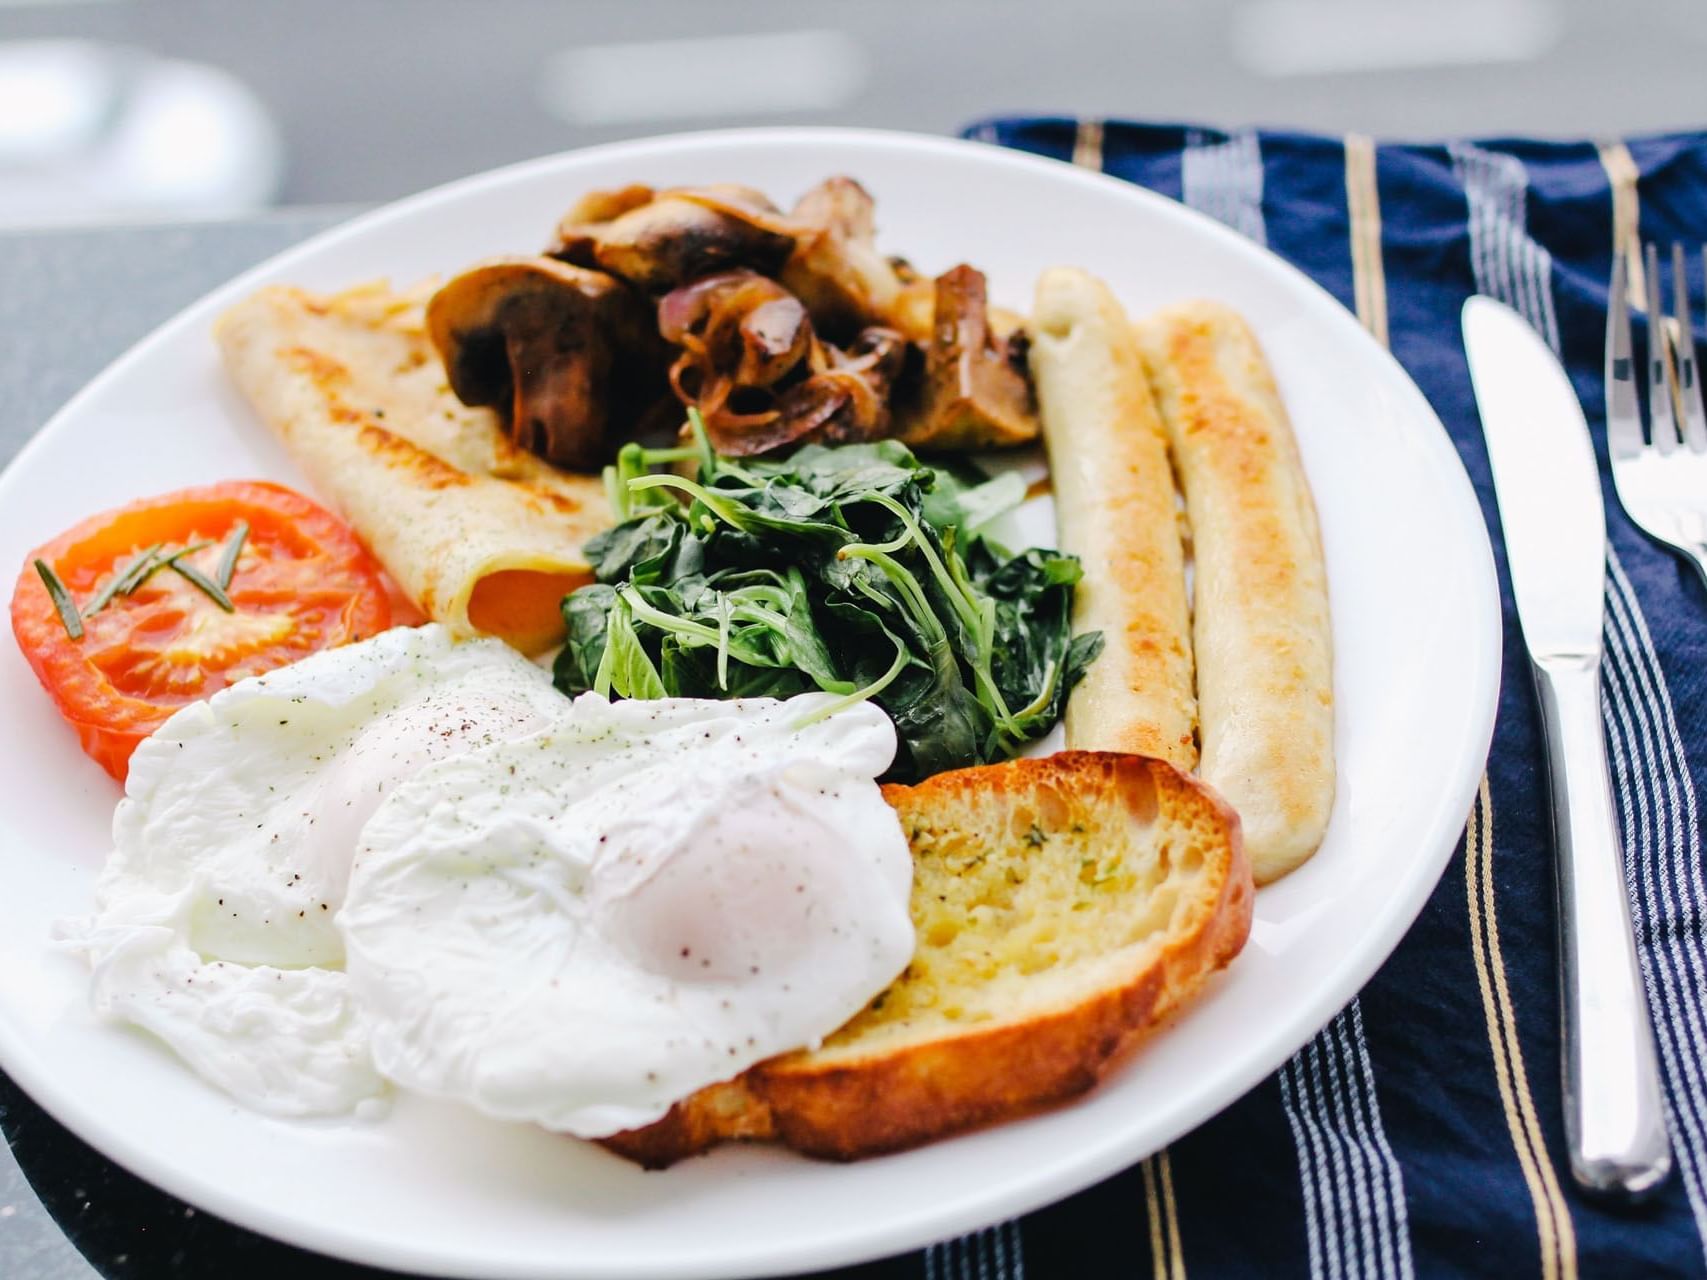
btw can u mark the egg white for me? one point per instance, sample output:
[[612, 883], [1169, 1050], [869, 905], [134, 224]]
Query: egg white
[[232, 847], [580, 927]]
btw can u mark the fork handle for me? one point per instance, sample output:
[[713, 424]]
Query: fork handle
[[1614, 1107]]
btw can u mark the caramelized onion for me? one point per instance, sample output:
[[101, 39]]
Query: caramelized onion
[[759, 375]]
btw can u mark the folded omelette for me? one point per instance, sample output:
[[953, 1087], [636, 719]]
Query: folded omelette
[[483, 536]]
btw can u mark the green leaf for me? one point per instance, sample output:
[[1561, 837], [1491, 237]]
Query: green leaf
[[952, 502], [635, 548], [692, 673], [941, 724], [1085, 649], [806, 646], [838, 472], [632, 674], [584, 613]]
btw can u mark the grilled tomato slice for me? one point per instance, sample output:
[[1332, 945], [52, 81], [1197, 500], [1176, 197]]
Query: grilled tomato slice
[[168, 600]]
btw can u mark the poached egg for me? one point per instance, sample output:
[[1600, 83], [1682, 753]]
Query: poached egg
[[580, 927], [214, 926], [411, 862]]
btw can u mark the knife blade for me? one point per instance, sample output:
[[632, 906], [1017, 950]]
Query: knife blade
[[1545, 478], [1548, 489]]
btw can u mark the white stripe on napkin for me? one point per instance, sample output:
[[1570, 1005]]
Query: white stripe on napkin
[[1662, 869], [1508, 264], [1355, 1223], [1395, 1232], [1224, 180], [995, 1253]]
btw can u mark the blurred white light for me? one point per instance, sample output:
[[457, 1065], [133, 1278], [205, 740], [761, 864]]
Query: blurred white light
[[90, 131], [54, 96], [1321, 37], [772, 73], [194, 139]]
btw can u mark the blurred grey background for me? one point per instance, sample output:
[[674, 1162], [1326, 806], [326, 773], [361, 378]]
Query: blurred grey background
[[343, 101]]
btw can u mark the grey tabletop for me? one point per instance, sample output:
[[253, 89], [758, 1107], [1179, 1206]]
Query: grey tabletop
[[70, 303]]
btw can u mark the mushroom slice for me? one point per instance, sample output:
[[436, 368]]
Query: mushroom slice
[[835, 268], [565, 355], [660, 240], [577, 231], [913, 312], [971, 394]]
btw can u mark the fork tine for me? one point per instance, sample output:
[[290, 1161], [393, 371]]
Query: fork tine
[[1623, 418], [1683, 346], [1662, 380]]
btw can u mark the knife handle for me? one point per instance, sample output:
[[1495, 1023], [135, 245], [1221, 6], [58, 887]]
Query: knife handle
[[1614, 1107]]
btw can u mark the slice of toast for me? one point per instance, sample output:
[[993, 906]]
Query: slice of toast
[[1065, 907]]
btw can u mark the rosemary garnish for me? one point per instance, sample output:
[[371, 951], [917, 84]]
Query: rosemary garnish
[[123, 582], [195, 577], [139, 569], [228, 557], [163, 560], [62, 601]]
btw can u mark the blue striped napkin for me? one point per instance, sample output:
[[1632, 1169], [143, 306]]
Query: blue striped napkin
[[1419, 1134]]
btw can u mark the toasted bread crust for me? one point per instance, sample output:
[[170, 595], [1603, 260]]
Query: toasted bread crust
[[1261, 626], [1116, 510], [843, 1101]]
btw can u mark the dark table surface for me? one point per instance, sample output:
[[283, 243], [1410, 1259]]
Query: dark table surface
[[71, 302]]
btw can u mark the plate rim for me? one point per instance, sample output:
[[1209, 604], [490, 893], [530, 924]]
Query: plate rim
[[1064, 1177]]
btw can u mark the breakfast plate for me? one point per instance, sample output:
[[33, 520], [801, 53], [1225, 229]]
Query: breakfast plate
[[441, 1190]]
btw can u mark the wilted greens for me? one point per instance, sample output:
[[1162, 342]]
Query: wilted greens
[[856, 570]]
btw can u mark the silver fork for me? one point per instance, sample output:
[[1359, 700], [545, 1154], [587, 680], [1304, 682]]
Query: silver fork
[[1661, 479]]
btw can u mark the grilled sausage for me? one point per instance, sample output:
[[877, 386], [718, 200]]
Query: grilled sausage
[[1261, 630], [1116, 510]]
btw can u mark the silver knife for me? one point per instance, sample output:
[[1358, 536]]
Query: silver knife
[[1555, 534]]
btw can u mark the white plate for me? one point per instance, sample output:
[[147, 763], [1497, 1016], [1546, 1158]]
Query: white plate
[[1417, 639]]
